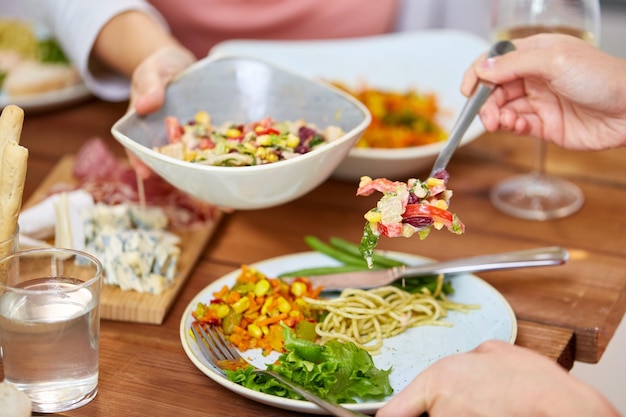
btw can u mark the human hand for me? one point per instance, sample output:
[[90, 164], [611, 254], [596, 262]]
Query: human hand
[[151, 77], [148, 84], [555, 87], [497, 379]]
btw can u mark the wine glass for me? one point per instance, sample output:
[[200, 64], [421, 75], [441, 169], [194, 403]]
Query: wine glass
[[538, 195]]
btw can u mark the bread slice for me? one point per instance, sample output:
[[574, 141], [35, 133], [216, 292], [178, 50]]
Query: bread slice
[[32, 77], [13, 402]]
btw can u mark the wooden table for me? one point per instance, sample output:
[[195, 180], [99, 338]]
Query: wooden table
[[566, 313]]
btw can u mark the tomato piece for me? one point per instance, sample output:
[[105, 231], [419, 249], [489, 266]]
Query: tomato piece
[[268, 131], [390, 230], [437, 189], [426, 210], [206, 143], [174, 129], [382, 185]]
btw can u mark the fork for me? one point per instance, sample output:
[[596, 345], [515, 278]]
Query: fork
[[221, 353]]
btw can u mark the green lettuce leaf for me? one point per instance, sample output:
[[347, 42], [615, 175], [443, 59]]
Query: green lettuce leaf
[[339, 372]]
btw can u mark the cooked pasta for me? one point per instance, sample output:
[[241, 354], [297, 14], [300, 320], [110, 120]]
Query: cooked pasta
[[363, 316]]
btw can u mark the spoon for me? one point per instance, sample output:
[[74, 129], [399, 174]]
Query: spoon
[[469, 112]]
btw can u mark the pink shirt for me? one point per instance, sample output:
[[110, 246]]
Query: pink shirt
[[201, 24]]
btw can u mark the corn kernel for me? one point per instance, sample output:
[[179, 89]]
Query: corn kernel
[[242, 305], [265, 330], [261, 287], [298, 288], [233, 133], [271, 157], [283, 305], [221, 310], [365, 180], [249, 146], [202, 117], [441, 204], [373, 216], [255, 331], [295, 313], [260, 152], [189, 156], [266, 305], [264, 140], [432, 182], [293, 140], [438, 225]]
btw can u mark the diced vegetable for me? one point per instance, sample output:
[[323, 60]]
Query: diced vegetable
[[242, 144], [400, 119], [406, 209], [251, 312]]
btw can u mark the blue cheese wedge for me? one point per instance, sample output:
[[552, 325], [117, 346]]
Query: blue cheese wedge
[[136, 250]]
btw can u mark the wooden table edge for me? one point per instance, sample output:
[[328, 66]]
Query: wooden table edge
[[558, 343]]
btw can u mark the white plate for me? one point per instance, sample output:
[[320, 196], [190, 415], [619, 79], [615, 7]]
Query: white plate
[[50, 100], [407, 354], [429, 60]]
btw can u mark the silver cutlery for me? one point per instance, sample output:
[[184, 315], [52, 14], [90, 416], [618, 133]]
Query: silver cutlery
[[468, 113], [223, 355], [547, 256]]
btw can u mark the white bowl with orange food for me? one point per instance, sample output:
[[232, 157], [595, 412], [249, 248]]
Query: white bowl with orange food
[[429, 62], [243, 92]]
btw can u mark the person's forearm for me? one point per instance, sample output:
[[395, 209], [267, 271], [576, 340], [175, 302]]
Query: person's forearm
[[127, 39]]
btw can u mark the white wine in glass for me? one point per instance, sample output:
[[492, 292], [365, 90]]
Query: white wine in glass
[[537, 195]]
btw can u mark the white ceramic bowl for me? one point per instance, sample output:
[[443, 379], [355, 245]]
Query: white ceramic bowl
[[242, 89], [428, 60]]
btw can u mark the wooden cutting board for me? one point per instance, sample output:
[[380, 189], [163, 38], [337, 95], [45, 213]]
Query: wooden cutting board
[[132, 306]]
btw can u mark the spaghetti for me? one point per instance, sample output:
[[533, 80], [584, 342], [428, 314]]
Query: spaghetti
[[363, 316]]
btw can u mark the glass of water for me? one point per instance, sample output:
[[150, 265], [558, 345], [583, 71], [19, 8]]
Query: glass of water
[[49, 326]]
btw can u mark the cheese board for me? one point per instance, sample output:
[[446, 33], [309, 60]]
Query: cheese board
[[133, 306]]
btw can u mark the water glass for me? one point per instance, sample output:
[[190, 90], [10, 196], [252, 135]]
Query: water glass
[[49, 326]]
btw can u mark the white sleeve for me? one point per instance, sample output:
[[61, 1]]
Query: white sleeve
[[76, 24]]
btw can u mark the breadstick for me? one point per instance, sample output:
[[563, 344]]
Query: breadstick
[[13, 161], [11, 122]]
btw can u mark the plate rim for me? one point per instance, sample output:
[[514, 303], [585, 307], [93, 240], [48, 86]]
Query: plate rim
[[49, 99], [301, 405]]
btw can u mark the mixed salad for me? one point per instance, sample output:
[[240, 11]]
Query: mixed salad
[[242, 144], [400, 119], [406, 208], [270, 314], [252, 311]]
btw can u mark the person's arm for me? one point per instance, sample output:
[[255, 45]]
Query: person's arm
[[76, 25], [497, 379], [128, 39], [135, 45], [558, 88]]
